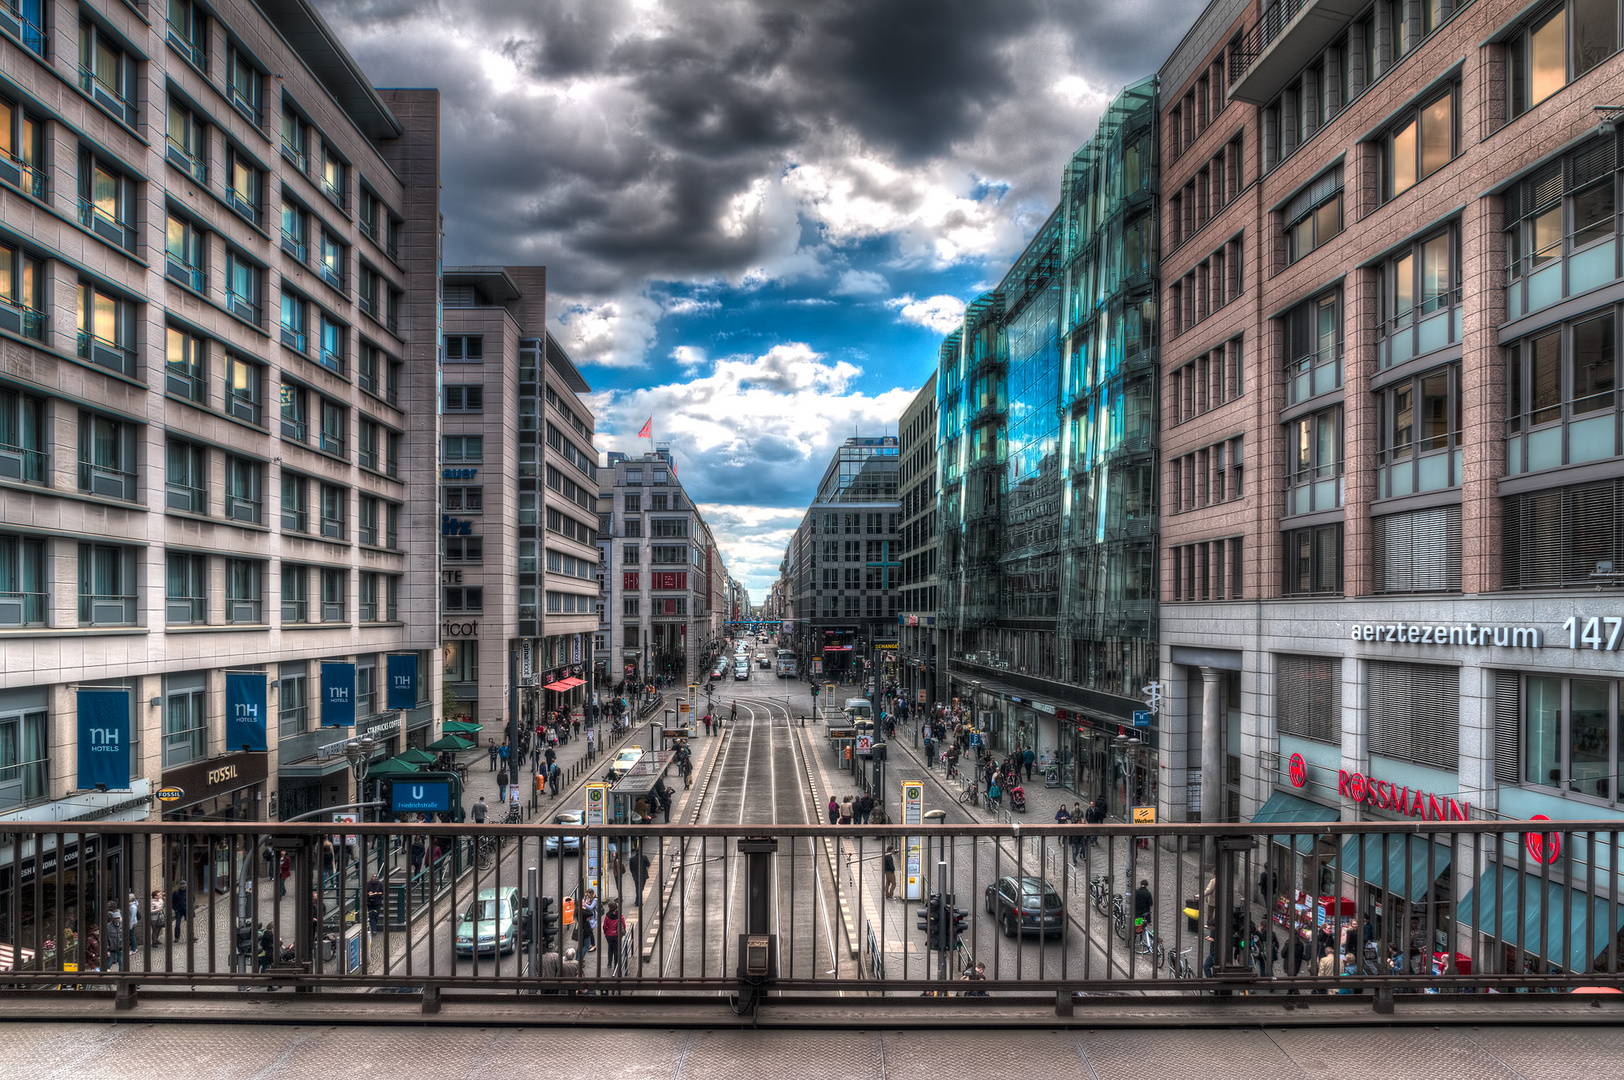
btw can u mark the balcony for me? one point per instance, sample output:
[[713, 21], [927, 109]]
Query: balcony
[[241, 203], [298, 158], [293, 339], [109, 354], [107, 97], [187, 162], [242, 307], [21, 463], [188, 275], [105, 225], [333, 276], [293, 245], [1290, 35], [21, 319], [194, 52], [23, 176], [18, 25]]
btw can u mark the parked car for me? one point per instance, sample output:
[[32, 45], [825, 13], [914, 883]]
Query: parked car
[[572, 844], [493, 923], [1026, 905]]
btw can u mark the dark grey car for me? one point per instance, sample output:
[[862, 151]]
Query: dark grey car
[[1026, 905]]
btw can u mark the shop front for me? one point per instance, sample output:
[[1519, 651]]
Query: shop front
[[231, 787]]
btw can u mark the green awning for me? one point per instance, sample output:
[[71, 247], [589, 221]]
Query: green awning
[[1399, 863], [450, 742], [413, 756], [1283, 807], [393, 767], [1524, 910]]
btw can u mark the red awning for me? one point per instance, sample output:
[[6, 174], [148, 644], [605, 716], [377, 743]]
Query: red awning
[[562, 684], [570, 682]]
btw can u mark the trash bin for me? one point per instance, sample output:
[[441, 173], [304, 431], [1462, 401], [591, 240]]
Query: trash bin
[[1192, 914]]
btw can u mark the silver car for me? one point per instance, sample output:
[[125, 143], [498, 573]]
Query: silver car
[[572, 844]]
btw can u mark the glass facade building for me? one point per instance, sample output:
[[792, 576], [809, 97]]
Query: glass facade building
[[1047, 405]]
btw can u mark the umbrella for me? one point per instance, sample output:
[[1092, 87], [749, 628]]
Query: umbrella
[[460, 727], [449, 742], [393, 767], [414, 756]]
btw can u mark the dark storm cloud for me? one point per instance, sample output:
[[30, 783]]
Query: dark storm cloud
[[625, 143]]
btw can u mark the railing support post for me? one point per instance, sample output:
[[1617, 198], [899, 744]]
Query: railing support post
[[1383, 1005], [1064, 1003], [431, 999], [126, 995]]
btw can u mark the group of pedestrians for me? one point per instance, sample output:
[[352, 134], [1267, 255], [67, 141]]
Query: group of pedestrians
[[852, 810]]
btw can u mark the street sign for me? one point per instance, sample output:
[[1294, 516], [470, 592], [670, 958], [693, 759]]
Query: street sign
[[408, 797], [596, 799], [1144, 815], [921, 695], [865, 743], [913, 813], [1153, 696], [1141, 718], [817, 665]]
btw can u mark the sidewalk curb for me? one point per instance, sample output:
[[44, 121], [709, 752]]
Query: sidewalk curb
[[651, 931]]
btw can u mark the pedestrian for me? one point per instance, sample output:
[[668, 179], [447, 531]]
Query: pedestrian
[[502, 783], [115, 939], [976, 974], [612, 927], [890, 873], [1095, 815], [591, 745], [374, 902], [1028, 759], [479, 810], [491, 745], [930, 751], [513, 802], [157, 921], [707, 724], [315, 921], [834, 810], [91, 956], [586, 922], [502, 755], [1062, 816], [994, 793], [266, 949], [665, 804], [846, 810], [247, 940], [177, 908]]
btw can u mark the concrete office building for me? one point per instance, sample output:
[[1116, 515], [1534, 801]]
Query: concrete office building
[[919, 671], [664, 582], [1392, 284], [218, 340], [844, 563], [518, 499]]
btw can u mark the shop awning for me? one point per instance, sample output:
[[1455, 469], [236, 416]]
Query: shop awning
[[561, 684], [1283, 807], [1524, 910], [571, 682], [1403, 864]]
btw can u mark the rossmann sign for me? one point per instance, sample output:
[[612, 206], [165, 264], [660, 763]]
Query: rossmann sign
[[1398, 799]]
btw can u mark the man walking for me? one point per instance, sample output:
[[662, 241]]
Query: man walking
[[592, 743], [480, 810], [890, 873], [502, 783], [177, 908], [491, 744], [114, 939]]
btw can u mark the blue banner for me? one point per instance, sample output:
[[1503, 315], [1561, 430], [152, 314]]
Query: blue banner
[[337, 695], [425, 797], [245, 711], [402, 681], [104, 740]]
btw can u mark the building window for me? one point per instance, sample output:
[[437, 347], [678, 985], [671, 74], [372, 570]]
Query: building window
[[332, 344], [244, 501], [334, 503], [22, 437], [293, 699], [333, 260], [1414, 713], [333, 174], [465, 598], [334, 418], [462, 448], [464, 498], [1561, 225], [185, 370], [1314, 216], [1417, 552], [244, 390], [24, 760], [464, 549], [244, 602], [465, 348], [391, 525], [1570, 735], [1313, 340], [1561, 536], [189, 33], [106, 72], [295, 594], [1314, 561], [295, 412], [1418, 434], [366, 685], [185, 719], [22, 284], [1421, 142], [295, 234], [335, 590], [106, 457], [23, 579], [183, 253], [245, 87], [186, 589], [242, 288], [1421, 299], [367, 515], [1308, 697], [1314, 456], [1562, 402], [185, 142], [1558, 46], [186, 477], [295, 139], [106, 329], [295, 503], [293, 321], [465, 399], [106, 585], [245, 185]]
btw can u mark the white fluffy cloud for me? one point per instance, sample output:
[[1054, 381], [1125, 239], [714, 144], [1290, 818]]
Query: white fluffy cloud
[[941, 314], [861, 283]]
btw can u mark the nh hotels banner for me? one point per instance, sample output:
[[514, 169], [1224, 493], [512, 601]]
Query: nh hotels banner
[[402, 681], [245, 711], [337, 695], [104, 740]]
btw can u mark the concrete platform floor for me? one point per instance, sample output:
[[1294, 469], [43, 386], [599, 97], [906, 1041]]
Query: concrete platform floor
[[71, 1051]]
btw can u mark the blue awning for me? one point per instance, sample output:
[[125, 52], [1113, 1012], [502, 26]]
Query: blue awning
[[1524, 910], [1399, 863], [1289, 808]]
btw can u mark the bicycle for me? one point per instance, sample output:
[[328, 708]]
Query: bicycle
[[1180, 968], [1147, 943], [485, 851]]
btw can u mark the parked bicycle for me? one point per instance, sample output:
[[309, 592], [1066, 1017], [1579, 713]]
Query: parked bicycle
[[1179, 967], [971, 795], [1146, 942]]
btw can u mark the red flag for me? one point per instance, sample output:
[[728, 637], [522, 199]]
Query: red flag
[[648, 430]]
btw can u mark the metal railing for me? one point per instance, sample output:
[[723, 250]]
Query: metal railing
[[1276, 18], [1379, 910]]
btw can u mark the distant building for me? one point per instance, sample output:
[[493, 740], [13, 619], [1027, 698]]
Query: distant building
[[919, 670]]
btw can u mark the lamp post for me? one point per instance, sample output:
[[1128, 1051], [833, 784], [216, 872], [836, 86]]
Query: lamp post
[[937, 818]]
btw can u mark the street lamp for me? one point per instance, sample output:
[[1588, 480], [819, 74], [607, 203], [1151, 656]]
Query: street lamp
[[937, 817], [358, 752]]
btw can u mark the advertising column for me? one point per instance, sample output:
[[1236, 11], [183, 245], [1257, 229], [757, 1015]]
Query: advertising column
[[913, 813]]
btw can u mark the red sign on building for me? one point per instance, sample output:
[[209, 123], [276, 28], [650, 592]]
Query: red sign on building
[[668, 580], [628, 581]]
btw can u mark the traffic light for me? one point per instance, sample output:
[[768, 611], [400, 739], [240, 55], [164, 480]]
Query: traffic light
[[931, 916], [549, 924], [959, 927]]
